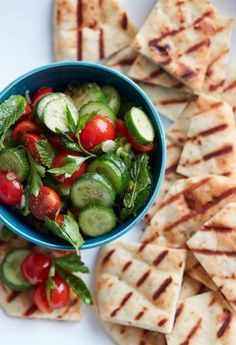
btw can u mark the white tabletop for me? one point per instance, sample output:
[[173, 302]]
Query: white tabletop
[[26, 43]]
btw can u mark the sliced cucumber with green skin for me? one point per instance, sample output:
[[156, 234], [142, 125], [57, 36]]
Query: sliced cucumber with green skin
[[85, 93], [98, 108], [55, 114], [112, 97], [40, 106], [11, 270], [15, 160], [97, 220], [122, 166], [109, 169], [139, 126], [92, 188]]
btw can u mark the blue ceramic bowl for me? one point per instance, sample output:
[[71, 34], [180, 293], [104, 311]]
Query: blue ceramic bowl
[[59, 75]]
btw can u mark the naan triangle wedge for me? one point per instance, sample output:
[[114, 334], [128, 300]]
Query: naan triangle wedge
[[90, 30], [214, 246], [139, 285], [177, 36], [20, 304], [187, 206], [204, 319], [229, 90], [210, 146]]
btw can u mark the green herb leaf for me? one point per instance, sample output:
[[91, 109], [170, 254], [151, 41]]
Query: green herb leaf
[[77, 285], [84, 119], [10, 111], [72, 125], [140, 188], [46, 152], [69, 230], [71, 263], [50, 284], [69, 168]]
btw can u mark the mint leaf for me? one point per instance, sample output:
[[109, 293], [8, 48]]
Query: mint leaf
[[50, 284], [72, 125], [77, 285], [69, 168], [10, 111], [84, 119], [69, 230], [46, 152], [71, 263]]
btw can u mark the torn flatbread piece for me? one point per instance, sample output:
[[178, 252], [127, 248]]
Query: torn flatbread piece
[[172, 160], [229, 90], [169, 102], [210, 146], [20, 304], [187, 206], [122, 60], [203, 320], [196, 271], [147, 71], [90, 29], [177, 36], [214, 246], [139, 285], [218, 58]]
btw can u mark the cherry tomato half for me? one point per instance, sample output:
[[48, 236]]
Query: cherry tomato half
[[60, 219], [138, 147], [35, 267], [96, 131], [30, 140], [55, 141], [121, 131], [43, 91], [28, 110], [11, 190], [60, 160], [59, 296], [25, 126], [46, 203]]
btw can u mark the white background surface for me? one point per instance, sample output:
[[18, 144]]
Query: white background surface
[[26, 43]]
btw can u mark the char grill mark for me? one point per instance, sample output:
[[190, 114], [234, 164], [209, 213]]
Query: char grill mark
[[198, 46], [143, 278], [208, 132], [126, 266], [107, 257], [124, 21], [122, 304], [192, 332], [179, 311], [174, 101], [162, 288], [160, 257], [225, 324], [13, 295], [30, 311]]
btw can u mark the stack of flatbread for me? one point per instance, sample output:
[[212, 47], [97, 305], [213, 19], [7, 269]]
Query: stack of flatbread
[[178, 285]]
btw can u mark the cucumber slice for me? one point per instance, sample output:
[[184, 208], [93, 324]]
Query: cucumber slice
[[139, 126], [41, 105], [112, 98], [107, 168], [15, 160], [99, 108], [97, 220], [92, 188], [55, 114], [85, 93], [122, 166], [11, 270]]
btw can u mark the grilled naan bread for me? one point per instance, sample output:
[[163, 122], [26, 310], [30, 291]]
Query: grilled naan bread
[[218, 58], [20, 304], [173, 152], [177, 36], [203, 320], [147, 71], [210, 146], [139, 285], [122, 60], [169, 102], [90, 29], [187, 206], [214, 246], [229, 89]]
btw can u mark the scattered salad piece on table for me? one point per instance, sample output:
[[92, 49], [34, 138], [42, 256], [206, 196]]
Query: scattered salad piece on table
[[76, 149]]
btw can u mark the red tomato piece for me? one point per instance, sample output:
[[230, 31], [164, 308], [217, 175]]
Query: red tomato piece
[[35, 267], [96, 131], [60, 219], [30, 140], [138, 147], [43, 91], [60, 160], [11, 190], [25, 126], [28, 110], [56, 141], [46, 203], [59, 296], [121, 131]]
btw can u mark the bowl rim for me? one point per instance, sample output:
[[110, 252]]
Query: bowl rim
[[140, 216]]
